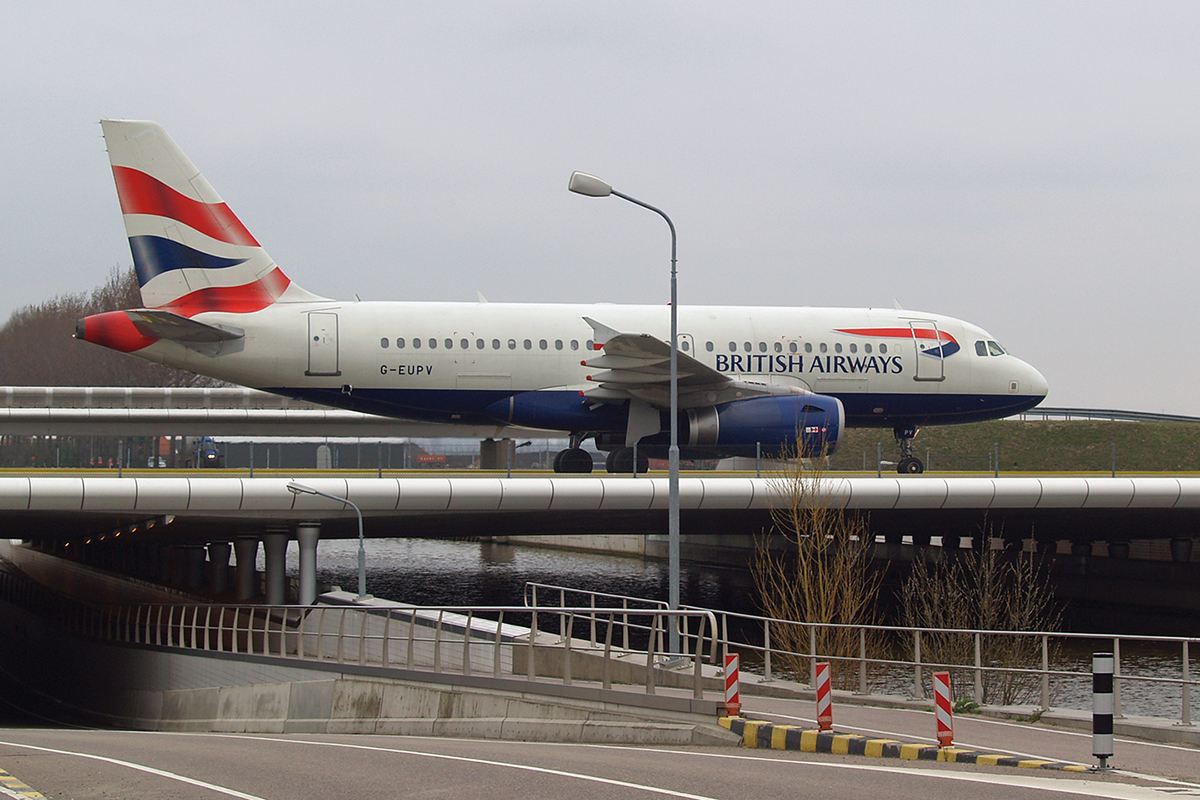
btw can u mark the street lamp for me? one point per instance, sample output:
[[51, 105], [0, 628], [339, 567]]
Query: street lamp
[[300, 488], [591, 186]]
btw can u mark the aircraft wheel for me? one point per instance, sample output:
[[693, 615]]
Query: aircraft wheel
[[910, 466], [621, 460], [574, 460], [610, 461]]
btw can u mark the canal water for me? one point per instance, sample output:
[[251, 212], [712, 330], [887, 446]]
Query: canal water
[[439, 572]]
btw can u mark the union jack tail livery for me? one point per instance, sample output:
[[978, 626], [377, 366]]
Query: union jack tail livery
[[192, 254]]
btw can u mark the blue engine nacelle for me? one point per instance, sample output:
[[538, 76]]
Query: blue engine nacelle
[[808, 425]]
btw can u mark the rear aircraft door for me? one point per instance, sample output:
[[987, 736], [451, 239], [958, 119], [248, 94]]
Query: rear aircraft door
[[322, 344], [931, 366]]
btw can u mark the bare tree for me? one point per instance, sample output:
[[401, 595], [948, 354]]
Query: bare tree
[[983, 590], [39, 348], [818, 572]]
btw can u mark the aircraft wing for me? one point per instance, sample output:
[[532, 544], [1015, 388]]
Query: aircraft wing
[[638, 366]]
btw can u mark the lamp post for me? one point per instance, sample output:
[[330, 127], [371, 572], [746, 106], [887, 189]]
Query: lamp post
[[300, 488], [591, 186]]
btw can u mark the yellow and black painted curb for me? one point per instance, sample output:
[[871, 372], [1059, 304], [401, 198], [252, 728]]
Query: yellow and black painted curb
[[792, 737], [16, 788]]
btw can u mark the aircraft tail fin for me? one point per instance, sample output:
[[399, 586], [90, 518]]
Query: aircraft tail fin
[[191, 253]]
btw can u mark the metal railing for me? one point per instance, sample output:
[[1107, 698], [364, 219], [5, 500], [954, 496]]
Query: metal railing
[[890, 659], [503, 642]]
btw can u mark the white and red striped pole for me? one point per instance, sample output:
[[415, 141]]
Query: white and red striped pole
[[824, 697], [733, 699], [943, 709]]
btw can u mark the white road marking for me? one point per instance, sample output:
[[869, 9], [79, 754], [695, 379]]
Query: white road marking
[[141, 768]]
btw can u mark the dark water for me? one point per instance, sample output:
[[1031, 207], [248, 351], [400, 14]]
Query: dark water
[[438, 572], [447, 573]]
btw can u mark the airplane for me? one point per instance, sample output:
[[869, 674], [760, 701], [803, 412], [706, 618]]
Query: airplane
[[770, 381]]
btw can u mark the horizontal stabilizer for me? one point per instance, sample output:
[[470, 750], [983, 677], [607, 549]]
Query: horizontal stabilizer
[[166, 325]]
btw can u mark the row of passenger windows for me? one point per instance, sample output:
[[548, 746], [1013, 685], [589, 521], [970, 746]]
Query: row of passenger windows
[[480, 344], [573, 344], [794, 347]]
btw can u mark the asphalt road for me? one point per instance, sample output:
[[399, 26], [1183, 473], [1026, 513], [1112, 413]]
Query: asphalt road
[[106, 764]]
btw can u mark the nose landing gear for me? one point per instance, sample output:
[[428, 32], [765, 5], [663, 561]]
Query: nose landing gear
[[909, 464]]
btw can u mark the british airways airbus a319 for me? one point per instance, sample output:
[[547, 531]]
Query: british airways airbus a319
[[774, 380]]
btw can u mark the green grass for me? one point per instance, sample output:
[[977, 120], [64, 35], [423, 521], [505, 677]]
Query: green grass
[[1035, 446]]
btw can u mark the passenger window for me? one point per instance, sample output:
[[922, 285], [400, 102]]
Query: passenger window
[[837, 348], [495, 344], [512, 344], [479, 344], [465, 344], [746, 346], [808, 347], [558, 344], [416, 344], [733, 347], [400, 344], [793, 348], [981, 348], [528, 345], [762, 347], [383, 343], [866, 348], [589, 345], [708, 346], [779, 347], [853, 348], [449, 344], [542, 344], [574, 344], [824, 347], [433, 344], [684, 345], [883, 348]]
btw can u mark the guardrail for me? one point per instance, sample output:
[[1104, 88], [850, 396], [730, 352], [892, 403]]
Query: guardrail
[[895, 659], [503, 642]]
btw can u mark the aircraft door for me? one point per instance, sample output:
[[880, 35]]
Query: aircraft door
[[931, 366], [322, 344], [687, 345]]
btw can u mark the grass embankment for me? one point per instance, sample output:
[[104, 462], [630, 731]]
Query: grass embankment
[[1036, 446]]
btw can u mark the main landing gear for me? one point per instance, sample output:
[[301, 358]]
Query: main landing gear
[[621, 460], [574, 458], [908, 464]]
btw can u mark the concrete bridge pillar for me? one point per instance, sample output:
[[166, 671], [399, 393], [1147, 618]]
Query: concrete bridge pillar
[[218, 566], [275, 550], [247, 554], [1181, 549], [307, 536], [1081, 548], [193, 566], [1118, 550]]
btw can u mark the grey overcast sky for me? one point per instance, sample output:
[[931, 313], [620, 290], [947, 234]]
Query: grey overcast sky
[[1033, 167]]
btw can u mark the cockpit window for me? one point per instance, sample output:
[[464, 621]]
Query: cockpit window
[[996, 349], [981, 348]]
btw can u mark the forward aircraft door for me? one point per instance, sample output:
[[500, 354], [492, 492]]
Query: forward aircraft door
[[926, 338], [322, 344]]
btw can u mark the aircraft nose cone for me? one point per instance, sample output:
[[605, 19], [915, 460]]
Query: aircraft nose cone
[[1037, 383]]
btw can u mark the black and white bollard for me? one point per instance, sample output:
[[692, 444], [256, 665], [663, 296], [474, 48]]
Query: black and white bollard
[[1102, 707]]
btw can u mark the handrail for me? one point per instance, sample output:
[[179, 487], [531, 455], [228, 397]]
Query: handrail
[[1040, 676]]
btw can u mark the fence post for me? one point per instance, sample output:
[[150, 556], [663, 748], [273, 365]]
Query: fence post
[[978, 669], [1116, 690], [1045, 672], [1187, 686], [918, 689], [766, 650], [862, 660]]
